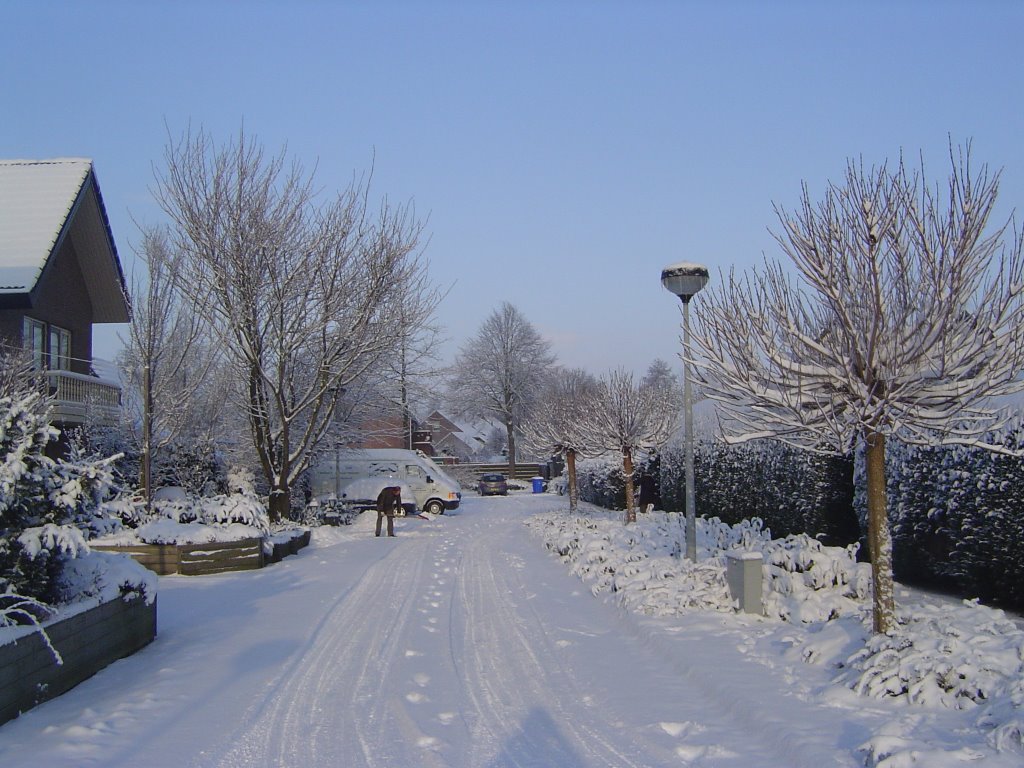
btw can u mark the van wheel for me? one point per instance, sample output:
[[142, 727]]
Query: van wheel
[[434, 507]]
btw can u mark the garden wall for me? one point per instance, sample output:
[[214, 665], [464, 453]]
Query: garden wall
[[87, 642], [204, 559]]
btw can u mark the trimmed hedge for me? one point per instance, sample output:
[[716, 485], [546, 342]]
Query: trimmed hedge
[[958, 520], [792, 491], [956, 513]]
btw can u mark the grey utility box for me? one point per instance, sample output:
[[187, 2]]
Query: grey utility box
[[743, 572]]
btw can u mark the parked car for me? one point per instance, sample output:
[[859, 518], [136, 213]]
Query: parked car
[[492, 485]]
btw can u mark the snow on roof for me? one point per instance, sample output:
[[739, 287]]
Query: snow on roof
[[36, 197], [478, 430]]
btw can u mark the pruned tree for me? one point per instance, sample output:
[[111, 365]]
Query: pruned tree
[[558, 424], [500, 372], [629, 417], [904, 319], [306, 296]]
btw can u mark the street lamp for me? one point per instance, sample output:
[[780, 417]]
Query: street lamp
[[684, 280]]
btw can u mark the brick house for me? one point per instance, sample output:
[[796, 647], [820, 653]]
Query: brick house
[[59, 274]]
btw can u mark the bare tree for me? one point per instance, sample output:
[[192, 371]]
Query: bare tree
[[165, 362], [500, 372], [306, 297], [904, 320], [558, 425], [630, 417], [414, 368], [659, 373]]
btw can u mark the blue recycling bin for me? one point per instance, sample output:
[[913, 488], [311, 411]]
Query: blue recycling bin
[[538, 485]]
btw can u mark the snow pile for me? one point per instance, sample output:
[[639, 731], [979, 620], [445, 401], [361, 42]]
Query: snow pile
[[105, 576], [943, 655]]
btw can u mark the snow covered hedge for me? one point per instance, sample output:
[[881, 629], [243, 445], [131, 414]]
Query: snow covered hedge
[[641, 565], [955, 656], [957, 513], [958, 519], [792, 491]]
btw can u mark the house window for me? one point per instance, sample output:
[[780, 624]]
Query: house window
[[35, 342], [60, 349]]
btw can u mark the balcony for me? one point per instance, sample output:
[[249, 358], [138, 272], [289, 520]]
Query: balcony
[[78, 398]]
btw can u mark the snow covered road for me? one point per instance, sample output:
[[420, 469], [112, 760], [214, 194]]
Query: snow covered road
[[461, 642]]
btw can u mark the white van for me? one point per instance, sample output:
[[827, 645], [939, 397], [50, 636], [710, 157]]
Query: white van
[[433, 489]]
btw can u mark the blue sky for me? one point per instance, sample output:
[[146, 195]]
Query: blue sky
[[562, 152]]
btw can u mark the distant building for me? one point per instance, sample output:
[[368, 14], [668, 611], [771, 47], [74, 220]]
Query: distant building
[[466, 442]]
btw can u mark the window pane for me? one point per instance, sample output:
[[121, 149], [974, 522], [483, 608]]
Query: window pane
[[35, 341], [60, 349]]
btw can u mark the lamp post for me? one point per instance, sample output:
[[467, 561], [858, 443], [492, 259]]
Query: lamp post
[[684, 280]]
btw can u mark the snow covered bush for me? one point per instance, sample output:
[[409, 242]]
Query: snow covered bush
[[180, 518], [809, 582], [934, 661], [42, 501], [600, 481], [641, 565], [241, 480], [198, 467], [242, 508]]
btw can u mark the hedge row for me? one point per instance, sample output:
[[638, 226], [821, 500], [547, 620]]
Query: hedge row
[[957, 514]]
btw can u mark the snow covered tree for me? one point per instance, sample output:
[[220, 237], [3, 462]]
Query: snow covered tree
[[660, 374], [413, 370], [557, 425], [165, 361], [306, 297], [628, 417], [904, 319], [500, 372], [41, 500]]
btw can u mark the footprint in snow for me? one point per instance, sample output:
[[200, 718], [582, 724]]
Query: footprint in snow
[[679, 730], [420, 679]]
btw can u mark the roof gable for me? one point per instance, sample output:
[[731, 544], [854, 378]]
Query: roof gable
[[42, 202]]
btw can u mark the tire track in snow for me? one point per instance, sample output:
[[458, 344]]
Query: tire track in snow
[[315, 718], [528, 708]]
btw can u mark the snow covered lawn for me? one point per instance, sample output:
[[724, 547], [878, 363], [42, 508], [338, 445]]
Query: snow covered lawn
[[464, 642]]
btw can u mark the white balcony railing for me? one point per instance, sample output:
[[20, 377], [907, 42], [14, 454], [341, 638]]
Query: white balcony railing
[[78, 398]]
